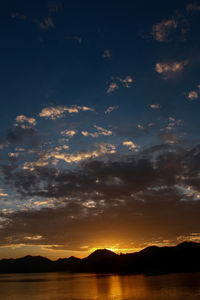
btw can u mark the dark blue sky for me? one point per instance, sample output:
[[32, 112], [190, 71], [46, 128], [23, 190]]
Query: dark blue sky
[[96, 81]]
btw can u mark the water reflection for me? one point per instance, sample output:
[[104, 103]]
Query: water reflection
[[60, 286]]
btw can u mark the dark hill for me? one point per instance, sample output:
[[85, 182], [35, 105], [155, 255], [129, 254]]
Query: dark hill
[[101, 260], [184, 257]]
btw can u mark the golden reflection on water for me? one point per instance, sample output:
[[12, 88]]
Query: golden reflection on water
[[61, 286]]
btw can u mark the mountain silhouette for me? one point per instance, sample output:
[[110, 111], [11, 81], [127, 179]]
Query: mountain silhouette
[[184, 257]]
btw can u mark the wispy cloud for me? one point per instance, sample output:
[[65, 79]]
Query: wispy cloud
[[169, 138], [2, 193], [155, 106], [161, 31], [110, 109], [193, 7], [100, 131], [170, 68], [112, 87], [46, 24], [79, 39], [24, 119], [54, 6], [192, 95], [170, 29], [16, 15], [92, 134], [103, 131], [68, 133], [101, 149], [131, 145], [126, 82], [106, 54], [59, 111]]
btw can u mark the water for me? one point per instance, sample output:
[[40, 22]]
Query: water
[[60, 286]]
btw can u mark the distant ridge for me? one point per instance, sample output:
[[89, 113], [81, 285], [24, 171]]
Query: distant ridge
[[184, 257]]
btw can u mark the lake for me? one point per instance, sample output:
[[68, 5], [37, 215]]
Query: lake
[[60, 286]]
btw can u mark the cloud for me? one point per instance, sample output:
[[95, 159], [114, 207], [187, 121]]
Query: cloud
[[69, 133], [16, 15], [24, 119], [106, 54], [86, 133], [155, 106], [46, 24], [101, 149], [46, 158], [192, 95], [112, 87], [103, 131], [100, 131], [140, 126], [140, 190], [170, 68], [110, 109], [193, 7], [54, 6], [167, 30], [131, 145], [166, 132], [161, 31], [78, 39], [59, 111], [126, 82], [2, 193], [169, 138], [19, 135]]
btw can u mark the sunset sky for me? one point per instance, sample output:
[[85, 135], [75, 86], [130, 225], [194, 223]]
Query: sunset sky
[[99, 135]]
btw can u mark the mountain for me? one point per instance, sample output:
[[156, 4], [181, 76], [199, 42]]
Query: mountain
[[184, 257], [101, 261]]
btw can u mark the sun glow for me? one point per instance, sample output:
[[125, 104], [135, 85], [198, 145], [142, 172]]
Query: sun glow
[[115, 248]]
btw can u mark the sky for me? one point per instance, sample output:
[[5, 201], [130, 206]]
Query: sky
[[99, 135]]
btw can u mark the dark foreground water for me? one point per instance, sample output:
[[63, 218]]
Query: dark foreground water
[[60, 286]]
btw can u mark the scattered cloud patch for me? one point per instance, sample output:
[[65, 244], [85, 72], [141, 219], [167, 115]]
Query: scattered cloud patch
[[100, 131], [155, 106], [101, 150], [169, 138], [112, 87], [79, 39], [24, 119], [131, 145], [103, 131], [172, 123], [106, 54], [33, 237], [54, 6], [2, 193], [110, 109], [68, 133], [126, 82], [16, 15], [192, 95], [193, 7], [167, 30], [161, 31], [59, 111], [86, 133], [170, 68], [46, 24], [140, 126]]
